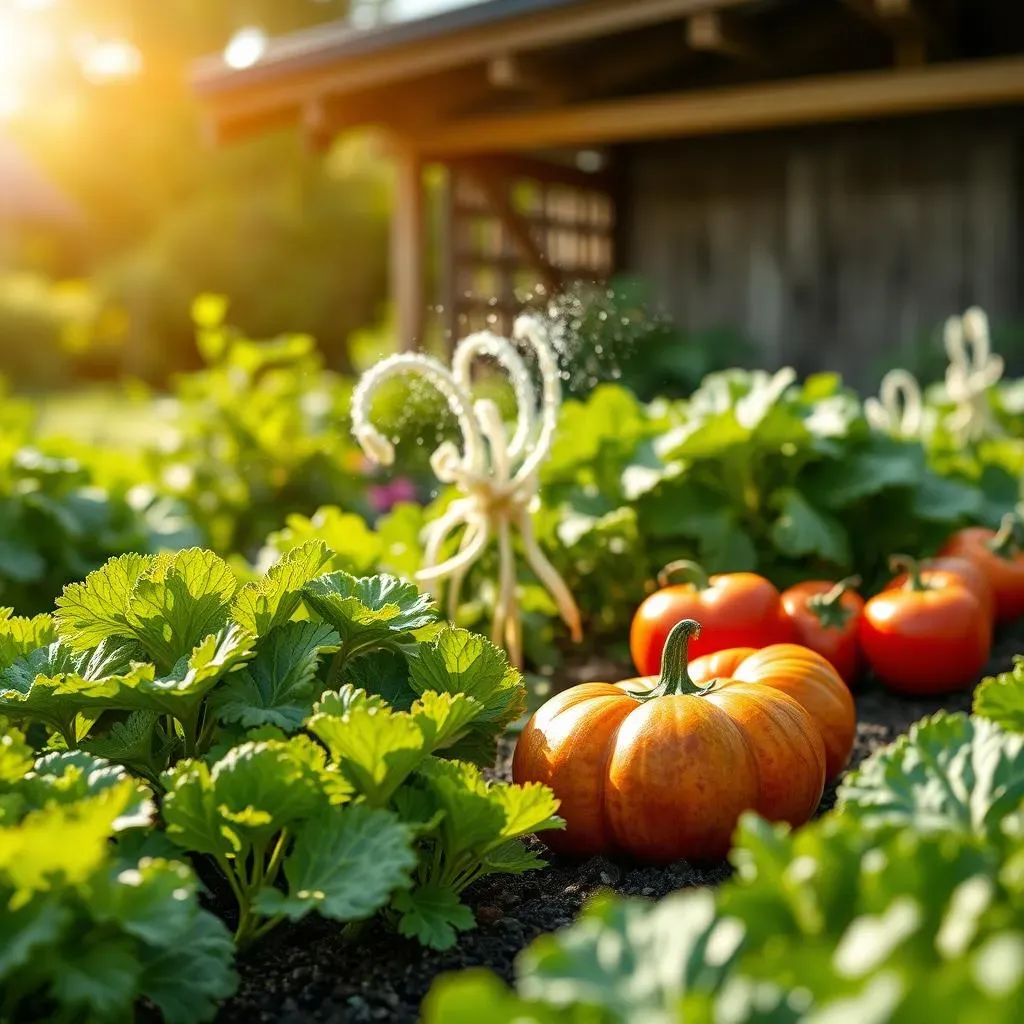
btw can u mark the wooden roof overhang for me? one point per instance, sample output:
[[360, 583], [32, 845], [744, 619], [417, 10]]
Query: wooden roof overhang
[[482, 87], [526, 74]]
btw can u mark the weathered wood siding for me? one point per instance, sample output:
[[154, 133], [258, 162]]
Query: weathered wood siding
[[829, 246]]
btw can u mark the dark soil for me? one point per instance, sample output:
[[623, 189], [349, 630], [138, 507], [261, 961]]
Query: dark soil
[[306, 972]]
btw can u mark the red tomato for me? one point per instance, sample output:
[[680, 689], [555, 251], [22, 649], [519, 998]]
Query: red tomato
[[941, 570], [826, 618], [999, 556], [926, 638], [735, 609]]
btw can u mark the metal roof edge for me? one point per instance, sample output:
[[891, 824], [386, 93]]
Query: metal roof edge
[[315, 47]]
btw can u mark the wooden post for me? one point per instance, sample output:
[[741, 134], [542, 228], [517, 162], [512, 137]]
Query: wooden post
[[407, 244]]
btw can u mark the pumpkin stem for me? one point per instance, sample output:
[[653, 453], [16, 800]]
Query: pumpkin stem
[[675, 675], [828, 607], [911, 566], [691, 571], [1005, 542]]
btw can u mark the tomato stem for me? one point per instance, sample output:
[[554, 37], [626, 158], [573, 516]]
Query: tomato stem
[[1004, 543], [904, 563], [692, 573], [828, 607], [675, 659]]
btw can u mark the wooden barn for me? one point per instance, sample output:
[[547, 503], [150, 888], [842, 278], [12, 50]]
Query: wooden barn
[[827, 177]]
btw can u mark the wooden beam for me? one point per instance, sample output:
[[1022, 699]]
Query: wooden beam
[[407, 246], [544, 30], [547, 172], [811, 100]]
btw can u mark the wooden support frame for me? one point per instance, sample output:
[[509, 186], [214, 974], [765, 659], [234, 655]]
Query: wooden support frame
[[823, 99], [516, 226], [407, 246]]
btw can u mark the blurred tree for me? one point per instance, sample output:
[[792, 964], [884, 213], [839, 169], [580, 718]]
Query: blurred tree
[[297, 241]]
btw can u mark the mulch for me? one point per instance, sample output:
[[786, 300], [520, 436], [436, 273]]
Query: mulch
[[308, 973]]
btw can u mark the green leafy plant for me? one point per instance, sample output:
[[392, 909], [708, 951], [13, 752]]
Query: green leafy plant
[[59, 521], [316, 735], [89, 925], [1000, 698]]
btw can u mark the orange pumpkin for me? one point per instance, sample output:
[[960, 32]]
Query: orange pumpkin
[[803, 674], [661, 770]]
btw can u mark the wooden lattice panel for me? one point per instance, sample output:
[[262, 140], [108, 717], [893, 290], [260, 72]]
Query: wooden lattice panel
[[518, 231]]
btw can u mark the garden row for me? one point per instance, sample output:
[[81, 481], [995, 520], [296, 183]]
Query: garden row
[[751, 472], [312, 743]]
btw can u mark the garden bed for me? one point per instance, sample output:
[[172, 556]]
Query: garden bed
[[309, 973]]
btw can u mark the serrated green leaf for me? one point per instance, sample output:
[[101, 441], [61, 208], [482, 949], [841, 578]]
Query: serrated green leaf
[[475, 995], [383, 673], [100, 978], [882, 464], [633, 959], [20, 636], [31, 861], [802, 530], [458, 661], [260, 788], [138, 742], [346, 863], [70, 776], [433, 915], [28, 929], [951, 773], [473, 816], [271, 601], [1000, 698], [371, 610], [182, 691], [179, 600], [511, 858], [444, 718], [347, 698], [187, 979], [278, 686], [59, 700], [16, 757], [92, 611], [528, 808], [190, 811], [154, 901], [374, 748]]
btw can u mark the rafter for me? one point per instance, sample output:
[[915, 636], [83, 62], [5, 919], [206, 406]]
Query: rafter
[[712, 32]]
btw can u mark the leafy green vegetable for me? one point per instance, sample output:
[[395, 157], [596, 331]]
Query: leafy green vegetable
[[345, 864], [272, 600], [369, 612], [278, 686], [1000, 698], [85, 933], [951, 773]]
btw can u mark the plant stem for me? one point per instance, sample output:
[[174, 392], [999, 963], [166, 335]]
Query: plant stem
[[1004, 543], [904, 563], [692, 572], [276, 858], [675, 677]]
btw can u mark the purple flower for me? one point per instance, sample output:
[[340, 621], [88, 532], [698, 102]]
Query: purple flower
[[383, 497]]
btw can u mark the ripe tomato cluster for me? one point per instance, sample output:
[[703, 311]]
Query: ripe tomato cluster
[[929, 631]]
